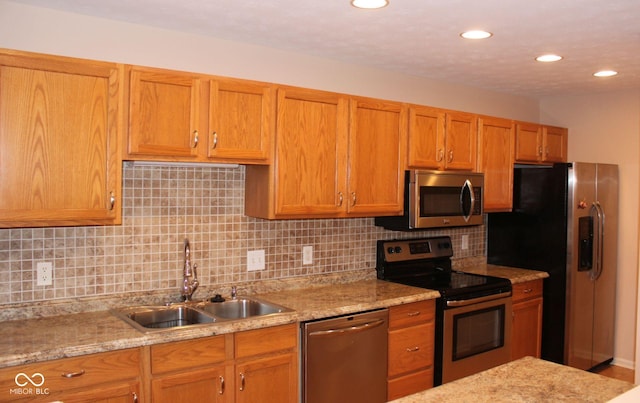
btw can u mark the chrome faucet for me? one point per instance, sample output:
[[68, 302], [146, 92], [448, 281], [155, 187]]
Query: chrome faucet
[[189, 274]]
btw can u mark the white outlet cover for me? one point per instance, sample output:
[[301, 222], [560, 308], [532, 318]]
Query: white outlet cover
[[44, 273], [255, 260], [307, 255]]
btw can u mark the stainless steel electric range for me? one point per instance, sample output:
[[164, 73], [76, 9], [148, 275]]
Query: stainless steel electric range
[[473, 313]]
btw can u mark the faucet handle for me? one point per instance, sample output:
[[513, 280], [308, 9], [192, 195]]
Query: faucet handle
[[234, 292]]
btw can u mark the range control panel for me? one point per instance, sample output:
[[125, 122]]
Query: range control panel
[[415, 249]]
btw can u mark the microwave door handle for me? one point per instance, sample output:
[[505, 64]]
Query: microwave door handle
[[468, 186]]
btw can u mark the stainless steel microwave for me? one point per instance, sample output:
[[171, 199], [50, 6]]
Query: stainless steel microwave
[[436, 199]]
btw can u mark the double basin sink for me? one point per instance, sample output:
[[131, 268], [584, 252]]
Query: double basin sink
[[181, 315]]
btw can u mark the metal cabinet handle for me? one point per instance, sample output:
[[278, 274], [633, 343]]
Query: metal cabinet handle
[[241, 381], [416, 313], [340, 199], [112, 201], [528, 290], [135, 397], [222, 385], [215, 141], [450, 156], [353, 199], [440, 156], [413, 349], [195, 139], [540, 151], [73, 374]]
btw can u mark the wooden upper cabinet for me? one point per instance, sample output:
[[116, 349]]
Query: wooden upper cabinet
[[240, 119], [311, 145], [554, 143], [376, 157], [461, 141], [164, 114], [495, 160], [426, 138], [60, 125], [440, 139], [540, 144]]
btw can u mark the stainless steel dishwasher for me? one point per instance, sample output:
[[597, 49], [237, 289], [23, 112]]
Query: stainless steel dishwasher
[[345, 358]]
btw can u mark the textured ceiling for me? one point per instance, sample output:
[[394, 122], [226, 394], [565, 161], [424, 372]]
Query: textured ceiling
[[421, 37]]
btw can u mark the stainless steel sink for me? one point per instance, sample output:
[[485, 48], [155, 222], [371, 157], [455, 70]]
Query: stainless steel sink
[[148, 318], [242, 308], [187, 315]]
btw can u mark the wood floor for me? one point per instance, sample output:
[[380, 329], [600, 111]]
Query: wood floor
[[612, 371]]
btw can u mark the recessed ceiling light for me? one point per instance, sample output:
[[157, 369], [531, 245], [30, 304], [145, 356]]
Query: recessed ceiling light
[[369, 3], [548, 58], [476, 34], [605, 73]]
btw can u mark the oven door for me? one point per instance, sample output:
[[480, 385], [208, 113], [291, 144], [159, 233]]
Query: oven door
[[476, 335]]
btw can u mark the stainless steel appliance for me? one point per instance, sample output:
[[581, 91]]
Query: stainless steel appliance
[[565, 222], [473, 313], [435, 199], [345, 358]]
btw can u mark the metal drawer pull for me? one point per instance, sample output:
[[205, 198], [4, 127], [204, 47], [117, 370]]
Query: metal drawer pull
[[222, 385], [215, 140], [195, 139], [135, 397], [528, 290], [73, 374], [412, 349], [416, 313], [241, 381]]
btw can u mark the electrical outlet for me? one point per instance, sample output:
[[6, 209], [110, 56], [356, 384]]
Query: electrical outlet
[[255, 260], [465, 242], [307, 255], [44, 273]]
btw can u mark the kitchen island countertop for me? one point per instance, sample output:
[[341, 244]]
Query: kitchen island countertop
[[525, 380]]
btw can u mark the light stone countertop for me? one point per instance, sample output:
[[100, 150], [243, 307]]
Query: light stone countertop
[[71, 333], [525, 380]]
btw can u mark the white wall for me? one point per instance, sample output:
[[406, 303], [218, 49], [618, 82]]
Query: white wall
[[48, 31], [606, 128]]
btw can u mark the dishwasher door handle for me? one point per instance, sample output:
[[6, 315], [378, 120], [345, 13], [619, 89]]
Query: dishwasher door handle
[[349, 329]]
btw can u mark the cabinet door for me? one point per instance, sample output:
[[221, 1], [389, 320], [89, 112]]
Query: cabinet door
[[311, 143], [377, 149], [163, 114], [527, 329], [204, 385], [59, 141], [240, 120], [426, 138], [495, 141], [461, 137], [555, 144], [270, 379], [528, 142]]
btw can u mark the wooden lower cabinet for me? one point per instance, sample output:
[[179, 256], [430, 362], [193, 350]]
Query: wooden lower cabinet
[[526, 331], [113, 377], [411, 344], [251, 366]]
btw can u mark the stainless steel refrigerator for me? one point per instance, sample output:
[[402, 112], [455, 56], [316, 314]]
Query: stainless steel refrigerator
[[565, 222]]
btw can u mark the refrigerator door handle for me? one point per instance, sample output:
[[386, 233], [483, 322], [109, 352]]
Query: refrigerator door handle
[[599, 249]]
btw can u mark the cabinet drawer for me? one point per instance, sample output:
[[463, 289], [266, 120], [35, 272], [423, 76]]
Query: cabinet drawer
[[411, 314], [267, 340], [527, 290], [409, 384], [187, 354], [70, 373], [410, 349]]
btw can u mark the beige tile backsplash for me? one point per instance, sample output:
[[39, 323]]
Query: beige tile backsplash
[[162, 206]]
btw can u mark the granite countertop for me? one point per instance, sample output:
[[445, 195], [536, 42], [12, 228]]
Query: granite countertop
[[525, 380], [39, 339], [71, 333]]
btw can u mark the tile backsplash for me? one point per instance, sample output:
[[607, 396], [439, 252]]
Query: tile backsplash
[[164, 205]]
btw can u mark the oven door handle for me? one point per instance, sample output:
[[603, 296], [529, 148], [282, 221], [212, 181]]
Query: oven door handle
[[472, 301]]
